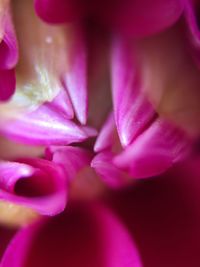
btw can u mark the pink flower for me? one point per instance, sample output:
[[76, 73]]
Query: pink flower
[[102, 95], [53, 107]]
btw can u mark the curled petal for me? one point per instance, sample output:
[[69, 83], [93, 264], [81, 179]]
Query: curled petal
[[44, 126], [132, 110], [72, 159], [34, 183], [154, 151], [106, 241]]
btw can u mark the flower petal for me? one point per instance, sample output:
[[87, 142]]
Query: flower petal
[[8, 46], [72, 159], [106, 242], [104, 138], [112, 175], [8, 53], [141, 18], [154, 151], [6, 234], [56, 11], [63, 104], [44, 126], [76, 74], [34, 183], [132, 110]]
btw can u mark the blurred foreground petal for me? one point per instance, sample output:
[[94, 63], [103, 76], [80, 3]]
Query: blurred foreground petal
[[87, 234]]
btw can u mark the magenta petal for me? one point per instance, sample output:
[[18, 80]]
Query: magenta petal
[[63, 104], [11, 172], [72, 159], [7, 84], [44, 126], [55, 11], [76, 76], [85, 234], [154, 151], [142, 18], [8, 46], [104, 138], [34, 183], [8, 59], [19, 246], [132, 111], [89, 131], [112, 175], [6, 235]]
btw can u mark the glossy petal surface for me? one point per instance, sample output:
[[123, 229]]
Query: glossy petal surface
[[132, 111], [76, 75], [44, 126]]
